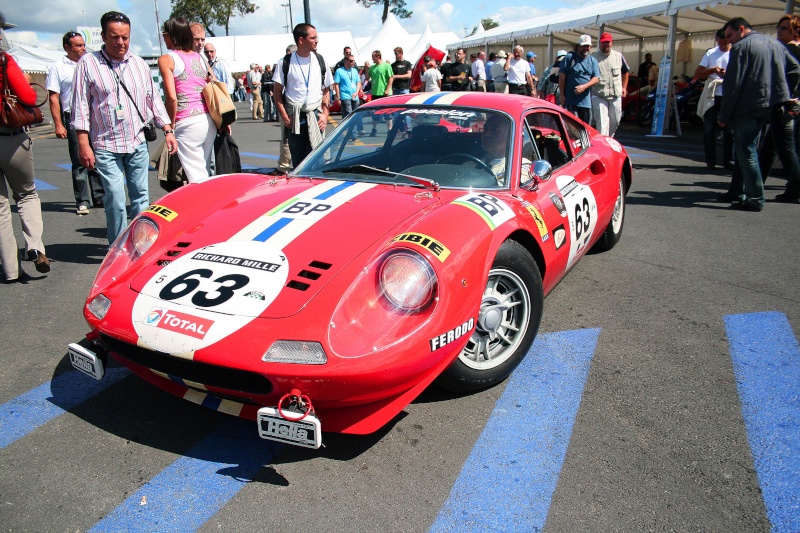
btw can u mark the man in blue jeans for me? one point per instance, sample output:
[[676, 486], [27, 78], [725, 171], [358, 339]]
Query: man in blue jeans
[[103, 111], [761, 78]]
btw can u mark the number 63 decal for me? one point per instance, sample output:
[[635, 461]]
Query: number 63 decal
[[187, 283]]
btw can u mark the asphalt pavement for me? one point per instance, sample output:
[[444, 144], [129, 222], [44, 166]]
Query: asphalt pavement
[[647, 411]]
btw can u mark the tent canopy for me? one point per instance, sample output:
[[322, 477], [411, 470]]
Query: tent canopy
[[33, 59]]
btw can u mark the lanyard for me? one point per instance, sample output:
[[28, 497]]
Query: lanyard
[[118, 76], [305, 78]]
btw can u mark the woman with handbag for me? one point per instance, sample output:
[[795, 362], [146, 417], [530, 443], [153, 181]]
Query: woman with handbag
[[185, 74], [16, 169]]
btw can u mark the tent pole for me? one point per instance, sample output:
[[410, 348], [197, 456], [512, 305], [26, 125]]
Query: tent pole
[[550, 52], [789, 7]]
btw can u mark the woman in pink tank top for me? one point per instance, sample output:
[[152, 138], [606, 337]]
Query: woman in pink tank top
[[185, 73]]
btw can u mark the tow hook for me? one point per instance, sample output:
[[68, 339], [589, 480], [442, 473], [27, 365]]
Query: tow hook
[[89, 356]]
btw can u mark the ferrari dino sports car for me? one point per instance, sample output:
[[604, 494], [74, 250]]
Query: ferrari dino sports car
[[328, 299]]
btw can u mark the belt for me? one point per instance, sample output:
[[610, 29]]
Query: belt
[[11, 133], [517, 84]]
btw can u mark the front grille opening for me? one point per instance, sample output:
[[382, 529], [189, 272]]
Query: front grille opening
[[209, 375], [173, 253], [163, 262], [183, 244]]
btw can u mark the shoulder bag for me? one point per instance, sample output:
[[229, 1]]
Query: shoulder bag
[[218, 101], [13, 113]]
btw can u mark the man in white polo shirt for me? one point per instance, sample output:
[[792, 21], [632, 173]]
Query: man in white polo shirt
[[86, 184]]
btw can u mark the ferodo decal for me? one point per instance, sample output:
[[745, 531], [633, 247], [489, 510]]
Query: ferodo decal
[[207, 295], [429, 243], [454, 334], [581, 207], [492, 210], [537, 217], [164, 212]]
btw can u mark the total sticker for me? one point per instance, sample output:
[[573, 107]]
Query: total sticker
[[208, 294]]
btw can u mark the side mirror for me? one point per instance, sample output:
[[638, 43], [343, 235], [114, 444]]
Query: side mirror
[[540, 170]]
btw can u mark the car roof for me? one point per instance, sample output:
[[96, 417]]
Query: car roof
[[512, 104]]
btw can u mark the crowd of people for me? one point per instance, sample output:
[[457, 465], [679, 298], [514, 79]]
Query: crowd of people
[[107, 106]]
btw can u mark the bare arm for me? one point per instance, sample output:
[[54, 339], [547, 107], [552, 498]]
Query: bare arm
[[166, 66], [55, 110]]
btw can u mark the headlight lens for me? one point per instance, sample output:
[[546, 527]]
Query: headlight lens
[[99, 306], [129, 246], [407, 280], [144, 233]]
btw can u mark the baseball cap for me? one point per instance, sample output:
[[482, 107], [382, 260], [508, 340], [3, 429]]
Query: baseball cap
[[530, 55], [585, 40], [561, 53], [502, 53], [606, 37]]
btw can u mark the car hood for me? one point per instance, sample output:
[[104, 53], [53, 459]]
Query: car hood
[[287, 239]]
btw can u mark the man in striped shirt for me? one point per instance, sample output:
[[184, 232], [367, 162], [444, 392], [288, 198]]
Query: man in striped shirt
[[103, 112]]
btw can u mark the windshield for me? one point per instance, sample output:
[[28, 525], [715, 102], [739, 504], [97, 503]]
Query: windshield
[[448, 147]]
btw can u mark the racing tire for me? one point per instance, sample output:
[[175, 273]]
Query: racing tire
[[645, 115], [511, 309], [613, 232]]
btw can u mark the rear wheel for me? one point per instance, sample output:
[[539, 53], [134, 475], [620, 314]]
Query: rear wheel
[[613, 231], [645, 115], [508, 320]]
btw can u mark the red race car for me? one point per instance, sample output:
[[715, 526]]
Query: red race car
[[329, 299]]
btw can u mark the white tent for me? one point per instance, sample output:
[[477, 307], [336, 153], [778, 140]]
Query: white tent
[[390, 36], [34, 59]]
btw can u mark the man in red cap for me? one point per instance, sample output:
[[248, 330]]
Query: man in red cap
[[608, 93]]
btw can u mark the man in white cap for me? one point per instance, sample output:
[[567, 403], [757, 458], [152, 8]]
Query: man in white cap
[[608, 93], [498, 73], [578, 72]]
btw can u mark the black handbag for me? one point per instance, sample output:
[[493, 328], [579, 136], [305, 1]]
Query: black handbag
[[149, 128]]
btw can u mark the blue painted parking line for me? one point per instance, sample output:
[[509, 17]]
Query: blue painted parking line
[[766, 361], [65, 166], [256, 154], [183, 496], [508, 480], [43, 185], [38, 406]]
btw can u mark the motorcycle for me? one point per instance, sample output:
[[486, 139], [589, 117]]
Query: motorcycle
[[687, 95]]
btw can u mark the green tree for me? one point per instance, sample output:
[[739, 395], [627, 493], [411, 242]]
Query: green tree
[[487, 23], [212, 12], [396, 7]]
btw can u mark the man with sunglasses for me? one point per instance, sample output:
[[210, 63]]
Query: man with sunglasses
[[220, 68], [113, 98], [86, 183]]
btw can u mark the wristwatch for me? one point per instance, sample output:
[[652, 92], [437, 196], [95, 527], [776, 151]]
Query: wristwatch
[[169, 131]]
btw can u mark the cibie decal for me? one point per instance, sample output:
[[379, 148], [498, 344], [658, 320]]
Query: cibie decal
[[164, 212], [429, 243], [492, 210], [454, 334], [537, 217], [559, 236], [183, 323]]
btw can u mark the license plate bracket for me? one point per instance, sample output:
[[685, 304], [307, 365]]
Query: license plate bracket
[[86, 361], [306, 432]]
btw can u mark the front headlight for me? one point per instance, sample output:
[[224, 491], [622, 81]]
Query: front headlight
[[129, 246], [388, 302], [407, 280]]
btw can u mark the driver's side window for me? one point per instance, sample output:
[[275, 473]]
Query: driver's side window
[[548, 138]]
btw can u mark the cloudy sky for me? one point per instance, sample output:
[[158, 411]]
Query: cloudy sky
[[43, 22]]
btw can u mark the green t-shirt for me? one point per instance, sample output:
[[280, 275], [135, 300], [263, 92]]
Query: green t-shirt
[[379, 76]]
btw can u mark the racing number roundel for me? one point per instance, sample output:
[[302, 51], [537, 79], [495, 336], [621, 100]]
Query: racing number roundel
[[207, 295], [581, 209]]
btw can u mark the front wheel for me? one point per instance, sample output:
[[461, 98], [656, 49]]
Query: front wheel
[[507, 323]]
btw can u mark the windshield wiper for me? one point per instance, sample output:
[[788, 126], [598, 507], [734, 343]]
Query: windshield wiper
[[374, 170]]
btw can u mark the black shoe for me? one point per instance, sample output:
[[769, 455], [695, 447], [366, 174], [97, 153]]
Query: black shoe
[[786, 198], [727, 197], [710, 166], [746, 206], [373, 133], [728, 165]]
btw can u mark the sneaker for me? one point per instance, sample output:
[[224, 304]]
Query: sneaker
[[83, 210], [373, 133]]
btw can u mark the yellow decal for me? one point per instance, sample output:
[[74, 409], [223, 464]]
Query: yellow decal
[[164, 212], [537, 217], [429, 243]]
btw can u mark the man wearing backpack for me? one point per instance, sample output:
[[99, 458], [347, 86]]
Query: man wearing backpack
[[304, 83]]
